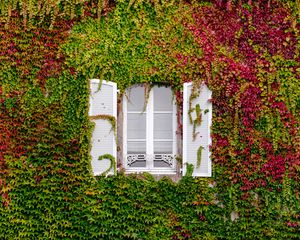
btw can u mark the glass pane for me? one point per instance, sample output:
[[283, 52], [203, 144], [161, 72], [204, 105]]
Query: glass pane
[[136, 99], [163, 147], [136, 147], [163, 160], [161, 164], [136, 126], [138, 164], [162, 99], [163, 126]]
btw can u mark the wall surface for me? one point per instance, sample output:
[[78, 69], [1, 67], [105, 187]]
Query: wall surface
[[247, 52]]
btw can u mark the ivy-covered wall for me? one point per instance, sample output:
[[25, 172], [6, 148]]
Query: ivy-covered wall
[[246, 51]]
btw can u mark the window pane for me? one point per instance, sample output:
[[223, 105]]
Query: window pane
[[136, 147], [163, 160], [163, 147], [136, 126], [162, 99], [136, 99], [163, 126], [138, 163], [160, 164]]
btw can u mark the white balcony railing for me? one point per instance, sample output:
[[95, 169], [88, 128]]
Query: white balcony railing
[[154, 161]]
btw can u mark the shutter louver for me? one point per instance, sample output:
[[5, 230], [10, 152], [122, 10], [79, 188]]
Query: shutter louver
[[103, 105], [196, 137]]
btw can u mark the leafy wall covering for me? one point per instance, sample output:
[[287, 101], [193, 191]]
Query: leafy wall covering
[[246, 51]]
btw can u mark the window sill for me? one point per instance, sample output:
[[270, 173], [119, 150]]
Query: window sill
[[153, 171]]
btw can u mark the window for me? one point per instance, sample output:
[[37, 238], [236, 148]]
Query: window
[[149, 136], [149, 140]]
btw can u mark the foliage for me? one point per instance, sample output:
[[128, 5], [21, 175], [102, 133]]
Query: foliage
[[112, 163], [142, 52], [249, 58], [199, 154], [110, 119], [41, 12]]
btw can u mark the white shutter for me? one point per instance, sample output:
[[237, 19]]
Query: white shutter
[[193, 139], [102, 102]]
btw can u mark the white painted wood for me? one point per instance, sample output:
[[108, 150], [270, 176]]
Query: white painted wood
[[203, 138], [103, 101], [174, 130], [124, 130], [150, 125]]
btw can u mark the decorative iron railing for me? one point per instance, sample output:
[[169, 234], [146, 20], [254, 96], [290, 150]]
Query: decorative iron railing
[[169, 159]]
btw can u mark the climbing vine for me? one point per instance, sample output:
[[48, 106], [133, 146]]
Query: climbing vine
[[110, 119], [112, 165], [246, 52]]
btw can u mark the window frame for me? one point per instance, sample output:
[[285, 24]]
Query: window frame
[[182, 141], [149, 111]]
